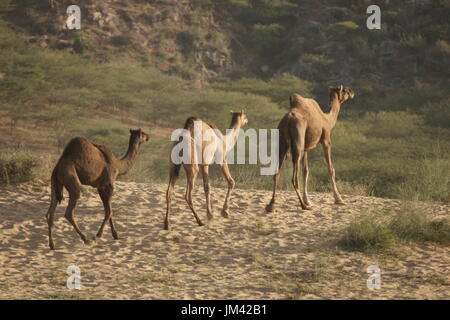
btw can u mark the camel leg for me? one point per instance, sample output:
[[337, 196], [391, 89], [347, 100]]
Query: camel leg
[[106, 195], [74, 193], [297, 154], [207, 188], [50, 219], [191, 174], [305, 175], [169, 194], [226, 173], [276, 177], [331, 172]]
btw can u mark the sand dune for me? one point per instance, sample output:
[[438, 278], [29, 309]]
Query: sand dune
[[290, 254]]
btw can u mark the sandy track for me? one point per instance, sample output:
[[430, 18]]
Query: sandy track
[[290, 254]]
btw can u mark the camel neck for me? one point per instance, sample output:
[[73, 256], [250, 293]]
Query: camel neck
[[127, 161], [334, 108], [232, 134]]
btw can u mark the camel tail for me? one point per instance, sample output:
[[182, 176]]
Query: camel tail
[[175, 170], [57, 188]]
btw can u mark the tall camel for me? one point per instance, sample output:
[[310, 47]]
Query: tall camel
[[301, 129], [86, 163], [209, 149]]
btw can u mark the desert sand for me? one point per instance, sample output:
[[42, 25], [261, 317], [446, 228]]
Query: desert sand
[[289, 254]]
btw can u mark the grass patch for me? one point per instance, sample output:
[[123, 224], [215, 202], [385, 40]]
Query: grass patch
[[381, 233], [414, 226], [16, 167]]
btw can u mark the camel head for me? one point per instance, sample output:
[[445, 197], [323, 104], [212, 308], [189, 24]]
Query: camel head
[[239, 117], [140, 135], [343, 93]]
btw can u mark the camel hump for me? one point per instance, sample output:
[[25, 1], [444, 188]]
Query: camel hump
[[76, 146], [106, 152], [295, 99]]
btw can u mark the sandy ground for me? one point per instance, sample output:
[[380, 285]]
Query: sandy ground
[[290, 254]]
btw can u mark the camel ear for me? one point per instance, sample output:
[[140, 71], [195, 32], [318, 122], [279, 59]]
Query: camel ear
[[342, 88], [131, 130], [231, 112]]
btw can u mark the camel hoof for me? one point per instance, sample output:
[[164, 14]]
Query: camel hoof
[[224, 213], [270, 208], [167, 227], [307, 208], [340, 203], [52, 246], [116, 237], [210, 217], [201, 224], [89, 242]]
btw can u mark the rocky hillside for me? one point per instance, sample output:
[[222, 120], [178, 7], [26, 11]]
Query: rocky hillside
[[205, 39]]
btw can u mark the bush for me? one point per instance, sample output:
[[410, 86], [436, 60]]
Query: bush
[[429, 180], [381, 233], [267, 38], [122, 40], [189, 39], [368, 234], [16, 167], [412, 225], [438, 113], [343, 28]]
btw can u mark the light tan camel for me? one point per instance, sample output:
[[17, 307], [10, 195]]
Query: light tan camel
[[210, 148], [301, 129], [86, 163]]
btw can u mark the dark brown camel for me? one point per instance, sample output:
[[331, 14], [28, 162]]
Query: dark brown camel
[[301, 129], [85, 163]]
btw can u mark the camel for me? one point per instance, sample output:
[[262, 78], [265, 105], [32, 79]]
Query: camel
[[86, 163], [301, 129], [209, 149]]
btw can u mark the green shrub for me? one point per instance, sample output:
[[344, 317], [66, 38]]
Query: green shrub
[[240, 3], [122, 40], [438, 113], [412, 225], [368, 234], [16, 167], [343, 28], [81, 41], [443, 47], [267, 38], [429, 180], [382, 232], [189, 39]]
